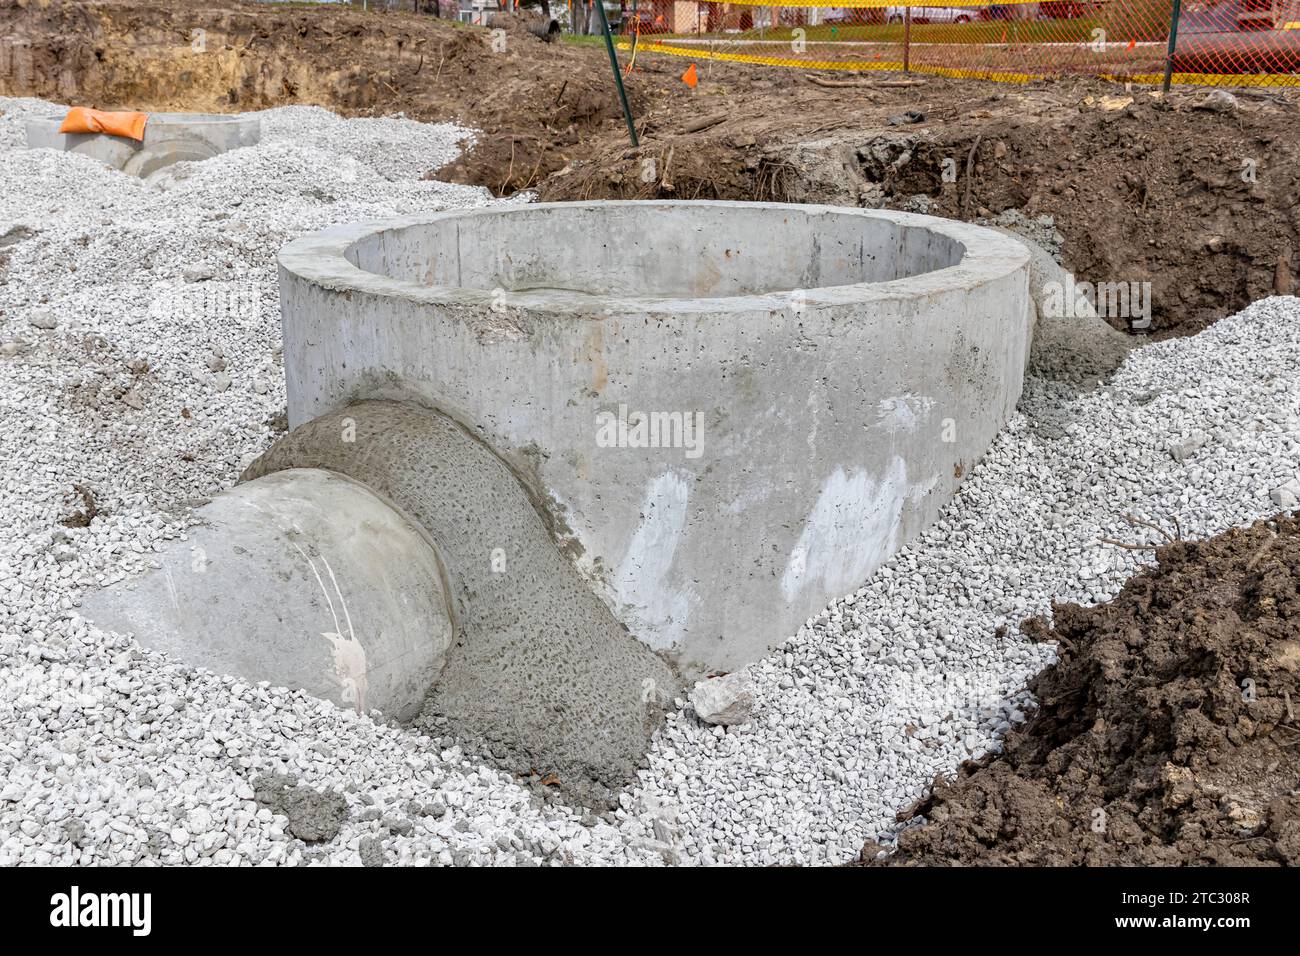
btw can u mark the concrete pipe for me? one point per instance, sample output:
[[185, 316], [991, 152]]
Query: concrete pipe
[[304, 579], [542, 676], [169, 138], [727, 414], [545, 28]]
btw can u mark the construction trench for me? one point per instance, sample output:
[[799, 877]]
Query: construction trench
[[685, 531]]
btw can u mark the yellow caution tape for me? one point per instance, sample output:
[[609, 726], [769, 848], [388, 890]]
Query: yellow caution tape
[[960, 73]]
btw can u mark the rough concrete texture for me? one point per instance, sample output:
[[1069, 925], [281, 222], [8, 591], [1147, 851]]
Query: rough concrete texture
[[303, 579], [541, 676], [1081, 348], [819, 378], [314, 816], [169, 138]]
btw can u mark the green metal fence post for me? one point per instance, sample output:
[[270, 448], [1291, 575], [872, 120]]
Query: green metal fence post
[[618, 76], [1173, 42]]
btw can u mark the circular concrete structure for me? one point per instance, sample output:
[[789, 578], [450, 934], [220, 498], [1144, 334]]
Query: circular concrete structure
[[727, 414], [169, 138]]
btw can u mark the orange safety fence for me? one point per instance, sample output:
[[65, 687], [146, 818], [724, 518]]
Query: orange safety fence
[[1217, 42]]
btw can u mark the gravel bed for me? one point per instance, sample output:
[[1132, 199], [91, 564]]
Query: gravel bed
[[139, 360], [924, 666]]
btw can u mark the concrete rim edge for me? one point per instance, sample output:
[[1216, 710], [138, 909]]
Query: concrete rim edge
[[320, 258]]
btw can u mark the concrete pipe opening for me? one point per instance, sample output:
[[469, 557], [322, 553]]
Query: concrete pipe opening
[[169, 138], [305, 579], [728, 414], [655, 250]]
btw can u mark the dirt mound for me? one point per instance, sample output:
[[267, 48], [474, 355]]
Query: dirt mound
[[1167, 733], [1197, 202], [534, 100]]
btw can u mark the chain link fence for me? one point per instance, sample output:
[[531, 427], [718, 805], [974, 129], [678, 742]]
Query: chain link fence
[[1212, 42]]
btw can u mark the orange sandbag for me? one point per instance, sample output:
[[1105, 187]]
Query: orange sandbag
[[83, 120]]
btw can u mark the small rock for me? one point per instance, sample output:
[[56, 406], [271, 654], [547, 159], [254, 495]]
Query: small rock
[[44, 320], [74, 831], [1218, 101], [314, 816], [198, 821], [1183, 449], [1286, 495], [398, 826], [905, 119], [726, 700], [371, 851]]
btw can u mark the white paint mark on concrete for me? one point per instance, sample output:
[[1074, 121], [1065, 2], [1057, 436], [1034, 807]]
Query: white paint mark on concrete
[[348, 654], [656, 613], [349, 668], [851, 530]]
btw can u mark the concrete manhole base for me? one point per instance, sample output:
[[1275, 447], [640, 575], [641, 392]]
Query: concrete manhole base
[[729, 414], [639, 442]]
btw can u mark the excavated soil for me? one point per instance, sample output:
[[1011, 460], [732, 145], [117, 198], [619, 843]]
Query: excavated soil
[[1192, 193], [532, 99], [1168, 733]]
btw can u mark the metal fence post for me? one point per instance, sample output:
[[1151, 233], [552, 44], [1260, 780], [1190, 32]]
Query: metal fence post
[[1173, 43], [907, 39], [618, 76]]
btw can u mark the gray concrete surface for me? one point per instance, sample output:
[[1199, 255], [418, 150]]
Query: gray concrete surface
[[542, 677], [841, 368], [169, 138], [304, 579]]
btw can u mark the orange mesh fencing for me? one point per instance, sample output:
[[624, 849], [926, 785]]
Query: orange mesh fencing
[[1217, 42]]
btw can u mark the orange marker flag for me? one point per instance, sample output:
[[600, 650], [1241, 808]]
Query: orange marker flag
[[690, 78], [1131, 45]]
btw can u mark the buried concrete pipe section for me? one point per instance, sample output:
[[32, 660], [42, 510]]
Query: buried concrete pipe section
[[169, 138], [641, 442], [304, 579], [542, 676]]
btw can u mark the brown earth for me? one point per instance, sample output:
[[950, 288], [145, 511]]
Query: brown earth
[[533, 99], [1151, 190], [1168, 733]]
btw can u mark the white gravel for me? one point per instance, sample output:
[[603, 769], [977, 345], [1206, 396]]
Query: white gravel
[[908, 676], [138, 358]]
